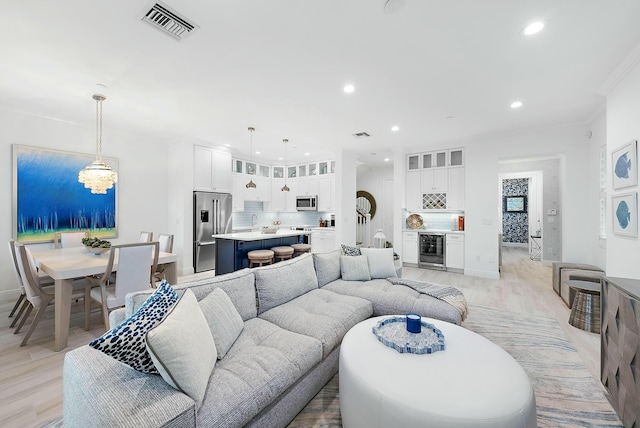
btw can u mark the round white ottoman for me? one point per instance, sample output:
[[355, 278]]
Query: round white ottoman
[[472, 383]]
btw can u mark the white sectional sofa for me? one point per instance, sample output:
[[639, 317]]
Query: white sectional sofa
[[294, 315]]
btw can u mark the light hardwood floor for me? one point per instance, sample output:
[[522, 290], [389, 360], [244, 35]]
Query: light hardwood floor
[[31, 376]]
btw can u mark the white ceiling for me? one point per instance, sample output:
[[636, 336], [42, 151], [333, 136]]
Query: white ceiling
[[280, 65]]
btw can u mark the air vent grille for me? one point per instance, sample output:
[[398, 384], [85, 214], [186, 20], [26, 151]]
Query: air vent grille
[[361, 135], [168, 21]]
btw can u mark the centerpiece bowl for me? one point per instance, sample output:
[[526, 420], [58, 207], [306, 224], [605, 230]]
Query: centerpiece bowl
[[96, 246]]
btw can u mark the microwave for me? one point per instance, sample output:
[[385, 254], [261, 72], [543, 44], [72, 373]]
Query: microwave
[[307, 203]]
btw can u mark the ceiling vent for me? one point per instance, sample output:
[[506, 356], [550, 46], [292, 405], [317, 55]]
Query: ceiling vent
[[168, 21], [361, 135]]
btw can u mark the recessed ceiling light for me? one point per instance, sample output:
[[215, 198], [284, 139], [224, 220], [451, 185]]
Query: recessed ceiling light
[[395, 128], [257, 152], [227, 145], [280, 158], [349, 89], [386, 159], [516, 104], [533, 28], [307, 154]]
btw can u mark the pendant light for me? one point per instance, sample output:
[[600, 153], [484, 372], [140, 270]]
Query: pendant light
[[251, 184], [285, 188], [98, 176]]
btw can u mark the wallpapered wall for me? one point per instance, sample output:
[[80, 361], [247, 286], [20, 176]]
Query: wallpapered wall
[[515, 226]]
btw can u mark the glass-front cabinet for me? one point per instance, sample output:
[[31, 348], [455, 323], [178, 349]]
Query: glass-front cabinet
[[251, 167], [313, 169], [292, 172], [302, 170], [264, 171], [413, 162], [278, 172], [238, 166]]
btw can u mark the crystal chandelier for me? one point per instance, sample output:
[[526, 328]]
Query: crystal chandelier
[[285, 188], [251, 184], [98, 176]]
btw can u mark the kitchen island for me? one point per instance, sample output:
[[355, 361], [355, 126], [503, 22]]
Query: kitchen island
[[232, 248]]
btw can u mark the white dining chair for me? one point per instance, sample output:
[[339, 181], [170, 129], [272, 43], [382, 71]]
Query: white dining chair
[[69, 239], [37, 297], [22, 303], [165, 243], [136, 266], [146, 237]]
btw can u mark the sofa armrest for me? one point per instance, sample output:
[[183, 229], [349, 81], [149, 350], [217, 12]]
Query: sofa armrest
[[101, 391], [117, 317]]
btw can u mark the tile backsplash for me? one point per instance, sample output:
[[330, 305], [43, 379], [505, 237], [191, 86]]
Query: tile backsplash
[[438, 221], [265, 218]]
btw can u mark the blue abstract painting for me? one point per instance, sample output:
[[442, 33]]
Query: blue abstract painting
[[48, 197]]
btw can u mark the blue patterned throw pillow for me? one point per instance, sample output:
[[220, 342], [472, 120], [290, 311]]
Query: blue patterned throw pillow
[[126, 342], [350, 251]]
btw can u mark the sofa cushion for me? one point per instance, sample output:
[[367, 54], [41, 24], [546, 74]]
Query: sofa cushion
[[126, 342], [327, 266], [281, 282], [182, 348], [322, 314], [354, 268], [238, 285], [261, 365], [390, 299], [380, 262], [225, 323]]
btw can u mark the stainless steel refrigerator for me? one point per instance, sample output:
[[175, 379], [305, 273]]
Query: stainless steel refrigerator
[[211, 216]]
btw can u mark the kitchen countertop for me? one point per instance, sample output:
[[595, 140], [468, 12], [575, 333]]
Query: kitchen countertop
[[257, 236], [433, 230]]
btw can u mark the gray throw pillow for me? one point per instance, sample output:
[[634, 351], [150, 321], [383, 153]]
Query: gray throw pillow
[[380, 262], [354, 268], [182, 348], [327, 266], [224, 320]]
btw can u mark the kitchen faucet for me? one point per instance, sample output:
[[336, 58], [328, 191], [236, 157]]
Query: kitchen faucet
[[256, 217]]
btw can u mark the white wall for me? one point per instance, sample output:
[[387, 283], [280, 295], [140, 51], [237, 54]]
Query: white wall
[[623, 110], [481, 180], [142, 175], [346, 199]]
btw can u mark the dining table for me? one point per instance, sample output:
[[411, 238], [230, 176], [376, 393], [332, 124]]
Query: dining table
[[65, 265]]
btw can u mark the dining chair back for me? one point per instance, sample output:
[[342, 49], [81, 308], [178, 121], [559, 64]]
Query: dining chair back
[[69, 239], [166, 243], [22, 299], [37, 298], [136, 265], [146, 237]]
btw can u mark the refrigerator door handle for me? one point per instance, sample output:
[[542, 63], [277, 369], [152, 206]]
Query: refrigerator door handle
[[204, 244]]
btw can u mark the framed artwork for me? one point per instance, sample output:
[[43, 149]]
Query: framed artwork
[[625, 165], [625, 214], [48, 198]]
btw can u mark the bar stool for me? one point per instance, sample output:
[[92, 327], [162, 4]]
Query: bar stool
[[260, 257], [283, 252], [299, 249]]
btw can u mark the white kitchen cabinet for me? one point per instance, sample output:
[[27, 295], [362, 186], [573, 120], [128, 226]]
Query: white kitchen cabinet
[[455, 191], [237, 192], [434, 180], [413, 191], [456, 157], [434, 159], [413, 162], [211, 170], [326, 190], [278, 197], [323, 239], [308, 185], [455, 251], [410, 247], [290, 198]]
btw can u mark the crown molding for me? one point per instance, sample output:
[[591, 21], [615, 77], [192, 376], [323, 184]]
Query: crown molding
[[621, 71]]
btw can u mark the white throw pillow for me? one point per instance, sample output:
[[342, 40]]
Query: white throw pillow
[[225, 323], [354, 268], [380, 262], [182, 348]]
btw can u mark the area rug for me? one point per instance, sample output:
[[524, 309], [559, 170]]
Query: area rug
[[567, 396]]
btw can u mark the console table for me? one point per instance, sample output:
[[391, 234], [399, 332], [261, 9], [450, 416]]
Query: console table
[[620, 346], [535, 247]]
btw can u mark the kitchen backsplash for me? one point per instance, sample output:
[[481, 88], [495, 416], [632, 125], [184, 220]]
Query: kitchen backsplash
[[438, 221], [264, 218]]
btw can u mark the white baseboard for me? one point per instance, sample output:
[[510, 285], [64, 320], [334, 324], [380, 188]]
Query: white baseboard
[[482, 273], [9, 295]]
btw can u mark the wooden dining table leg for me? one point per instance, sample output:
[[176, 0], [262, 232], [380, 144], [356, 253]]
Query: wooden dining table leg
[[63, 292], [171, 272]]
